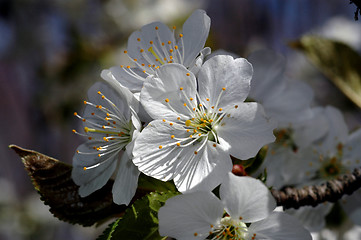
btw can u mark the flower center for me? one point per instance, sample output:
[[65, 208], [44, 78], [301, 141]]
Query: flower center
[[284, 139], [230, 229], [107, 130], [331, 168], [158, 51]]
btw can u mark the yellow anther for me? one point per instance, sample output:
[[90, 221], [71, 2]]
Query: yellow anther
[[171, 57], [92, 113], [77, 151], [207, 99], [172, 136], [128, 67], [175, 47], [154, 54], [163, 120], [86, 129], [194, 130], [74, 131], [84, 168], [99, 92], [85, 102], [212, 107], [178, 118], [165, 59], [90, 138], [125, 51], [151, 42], [224, 89], [180, 35], [188, 130], [138, 39], [163, 44], [174, 27], [135, 59], [181, 88], [169, 42], [144, 71], [194, 109], [83, 120], [191, 136], [75, 114], [171, 124], [195, 234], [121, 66], [200, 105], [191, 99], [185, 104], [156, 28], [195, 152], [166, 100], [178, 144], [143, 64], [210, 120], [170, 50], [236, 106], [220, 109], [99, 155], [214, 145], [105, 139], [187, 74], [160, 146], [188, 122], [108, 114], [199, 134]]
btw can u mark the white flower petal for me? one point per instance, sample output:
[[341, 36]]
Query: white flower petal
[[352, 151], [280, 226], [195, 34], [312, 218], [92, 179], [246, 129], [267, 77], [221, 72], [190, 216], [351, 205], [204, 173], [133, 82], [246, 198], [126, 181], [162, 96]]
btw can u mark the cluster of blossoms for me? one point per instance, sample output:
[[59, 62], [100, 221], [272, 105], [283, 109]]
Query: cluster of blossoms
[[179, 114]]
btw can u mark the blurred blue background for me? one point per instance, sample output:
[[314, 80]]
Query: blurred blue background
[[52, 51]]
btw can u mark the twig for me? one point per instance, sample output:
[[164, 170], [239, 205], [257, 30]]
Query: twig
[[330, 191]]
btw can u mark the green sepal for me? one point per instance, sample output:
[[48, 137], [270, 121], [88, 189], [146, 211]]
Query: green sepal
[[140, 221], [339, 62]]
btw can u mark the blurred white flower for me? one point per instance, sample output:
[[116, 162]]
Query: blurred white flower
[[244, 212]]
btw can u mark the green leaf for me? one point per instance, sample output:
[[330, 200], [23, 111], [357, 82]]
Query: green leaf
[[52, 179], [151, 184], [339, 62], [140, 221]]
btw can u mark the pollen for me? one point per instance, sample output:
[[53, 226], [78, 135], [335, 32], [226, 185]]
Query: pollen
[[170, 50], [99, 155], [160, 146], [74, 131], [86, 129], [188, 74], [166, 100], [84, 168], [75, 113], [172, 136], [220, 109], [188, 122], [171, 124], [224, 89], [180, 35], [178, 144], [194, 130], [169, 42], [128, 67], [191, 136], [163, 120], [90, 138], [207, 99], [185, 104], [125, 51], [85, 102], [175, 47]]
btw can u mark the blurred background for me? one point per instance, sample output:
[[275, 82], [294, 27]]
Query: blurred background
[[51, 52]]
